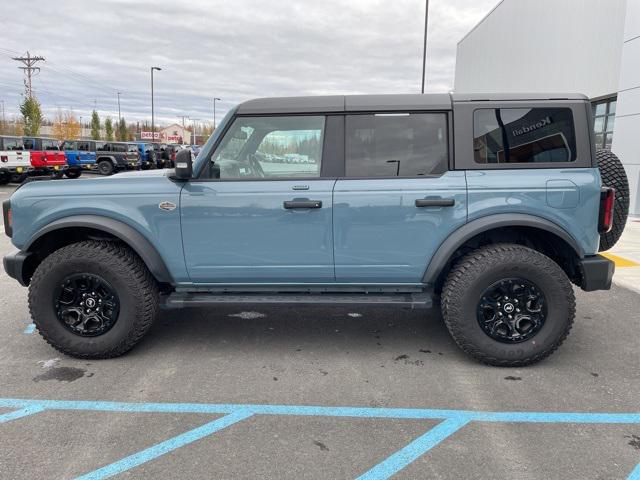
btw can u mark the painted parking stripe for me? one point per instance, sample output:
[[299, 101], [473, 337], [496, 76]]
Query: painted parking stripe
[[30, 328], [167, 446], [620, 261], [23, 412], [414, 450]]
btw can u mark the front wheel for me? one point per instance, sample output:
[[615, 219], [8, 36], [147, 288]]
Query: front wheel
[[508, 305], [93, 299]]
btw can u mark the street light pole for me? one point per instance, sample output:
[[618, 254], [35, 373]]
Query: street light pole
[[193, 120], [424, 51], [214, 111], [153, 125], [119, 117]]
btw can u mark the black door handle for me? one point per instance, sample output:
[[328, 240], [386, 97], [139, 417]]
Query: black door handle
[[289, 204], [435, 202]]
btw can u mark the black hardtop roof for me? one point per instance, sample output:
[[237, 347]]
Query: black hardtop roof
[[393, 102]]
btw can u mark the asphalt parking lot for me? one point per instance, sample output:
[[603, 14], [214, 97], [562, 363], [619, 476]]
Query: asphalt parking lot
[[290, 393]]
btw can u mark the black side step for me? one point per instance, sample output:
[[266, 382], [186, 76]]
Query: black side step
[[412, 300]]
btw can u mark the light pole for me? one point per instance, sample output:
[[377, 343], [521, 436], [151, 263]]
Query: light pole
[[214, 111], [119, 117], [153, 125], [424, 51], [194, 120], [81, 128]]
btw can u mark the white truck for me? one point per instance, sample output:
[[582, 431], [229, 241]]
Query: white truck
[[15, 162]]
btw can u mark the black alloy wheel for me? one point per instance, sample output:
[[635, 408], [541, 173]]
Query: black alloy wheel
[[86, 304], [512, 310]]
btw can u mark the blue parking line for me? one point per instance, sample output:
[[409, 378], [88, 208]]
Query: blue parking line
[[414, 450], [30, 328], [396, 413], [167, 446], [23, 412], [635, 475]]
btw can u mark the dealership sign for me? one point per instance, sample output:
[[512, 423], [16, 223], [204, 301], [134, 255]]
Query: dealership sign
[[150, 135]]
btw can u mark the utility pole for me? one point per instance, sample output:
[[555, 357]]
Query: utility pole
[[119, 117], [153, 125], [424, 51], [214, 112], [183, 127], [194, 120], [29, 69], [4, 123]]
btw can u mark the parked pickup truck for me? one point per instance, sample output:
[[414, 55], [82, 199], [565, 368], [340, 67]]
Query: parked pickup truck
[[46, 157], [15, 163], [487, 206], [113, 157], [81, 156]]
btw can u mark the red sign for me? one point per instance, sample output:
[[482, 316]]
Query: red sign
[[174, 139], [149, 135]]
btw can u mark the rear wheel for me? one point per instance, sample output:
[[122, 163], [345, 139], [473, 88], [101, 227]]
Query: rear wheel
[[613, 175], [508, 305], [105, 167], [93, 299], [73, 173]]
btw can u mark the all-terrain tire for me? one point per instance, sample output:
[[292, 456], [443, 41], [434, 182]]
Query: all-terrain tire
[[73, 173], [5, 177], [136, 288], [105, 167], [613, 175], [474, 273]]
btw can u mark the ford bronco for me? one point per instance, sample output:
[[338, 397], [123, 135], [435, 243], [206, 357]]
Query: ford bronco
[[489, 207]]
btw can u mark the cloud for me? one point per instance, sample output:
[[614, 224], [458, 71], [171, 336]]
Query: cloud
[[234, 50]]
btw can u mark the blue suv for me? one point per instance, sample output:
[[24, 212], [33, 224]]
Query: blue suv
[[488, 207]]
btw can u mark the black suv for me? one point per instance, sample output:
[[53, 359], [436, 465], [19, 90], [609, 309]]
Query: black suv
[[112, 157]]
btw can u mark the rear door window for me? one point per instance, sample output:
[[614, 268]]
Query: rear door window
[[396, 144], [523, 135]]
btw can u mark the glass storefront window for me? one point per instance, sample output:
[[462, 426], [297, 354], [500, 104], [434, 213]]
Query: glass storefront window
[[604, 112]]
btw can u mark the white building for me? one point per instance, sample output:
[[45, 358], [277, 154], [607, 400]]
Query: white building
[[175, 134], [586, 46]]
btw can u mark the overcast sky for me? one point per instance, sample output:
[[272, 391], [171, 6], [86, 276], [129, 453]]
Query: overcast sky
[[234, 50]]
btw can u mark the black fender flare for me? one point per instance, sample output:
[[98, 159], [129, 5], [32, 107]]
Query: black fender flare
[[107, 157], [129, 235], [483, 224]]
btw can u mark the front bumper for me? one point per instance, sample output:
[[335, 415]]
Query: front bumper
[[597, 273], [16, 170], [14, 266]]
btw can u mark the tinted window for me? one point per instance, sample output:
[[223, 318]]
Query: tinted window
[[118, 147], [270, 147], [83, 146], [388, 145], [524, 135], [29, 144], [132, 147], [12, 144], [50, 145], [69, 145]]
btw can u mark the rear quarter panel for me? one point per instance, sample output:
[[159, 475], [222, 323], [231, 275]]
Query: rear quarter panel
[[568, 197]]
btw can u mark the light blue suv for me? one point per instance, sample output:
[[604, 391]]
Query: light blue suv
[[488, 206]]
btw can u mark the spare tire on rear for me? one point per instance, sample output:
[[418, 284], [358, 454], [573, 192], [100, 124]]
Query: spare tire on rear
[[613, 175]]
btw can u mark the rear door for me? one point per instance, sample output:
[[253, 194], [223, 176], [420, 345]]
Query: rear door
[[261, 212], [398, 200]]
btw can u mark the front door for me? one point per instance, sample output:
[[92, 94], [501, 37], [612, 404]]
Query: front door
[[262, 211], [398, 202]]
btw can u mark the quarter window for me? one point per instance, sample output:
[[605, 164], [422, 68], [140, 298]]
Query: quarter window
[[395, 145], [270, 147], [523, 135], [604, 115]]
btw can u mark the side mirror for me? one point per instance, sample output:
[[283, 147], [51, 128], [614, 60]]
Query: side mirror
[[184, 165]]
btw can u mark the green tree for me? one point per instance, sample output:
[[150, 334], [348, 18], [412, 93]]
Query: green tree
[[123, 135], [32, 115], [95, 126], [108, 130]]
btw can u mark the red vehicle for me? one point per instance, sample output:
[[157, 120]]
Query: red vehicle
[[46, 156]]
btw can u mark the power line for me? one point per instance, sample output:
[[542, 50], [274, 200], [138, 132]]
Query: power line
[[29, 69]]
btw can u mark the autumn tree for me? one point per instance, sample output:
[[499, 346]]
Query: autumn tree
[[108, 130], [66, 126], [32, 116], [122, 134], [95, 126]]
